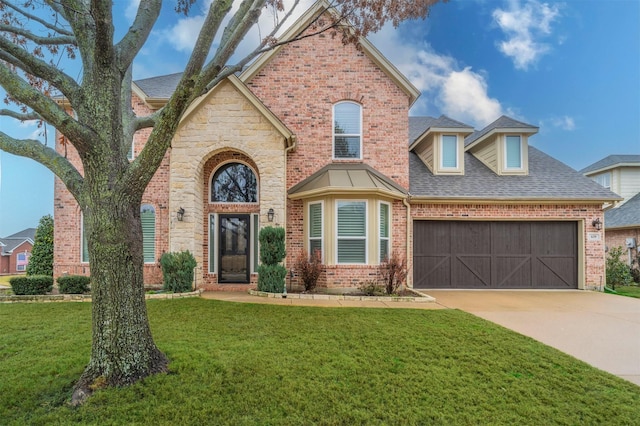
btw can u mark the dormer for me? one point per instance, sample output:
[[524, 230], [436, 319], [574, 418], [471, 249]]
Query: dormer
[[503, 146], [441, 145]]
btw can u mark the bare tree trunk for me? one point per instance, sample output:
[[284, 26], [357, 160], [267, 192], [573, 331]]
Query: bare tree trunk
[[123, 350]]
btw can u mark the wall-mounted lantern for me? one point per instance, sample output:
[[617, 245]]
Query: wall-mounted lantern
[[270, 214], [180, 214], [597, 224]]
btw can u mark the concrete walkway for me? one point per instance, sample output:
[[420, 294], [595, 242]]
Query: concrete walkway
[[600, 329]]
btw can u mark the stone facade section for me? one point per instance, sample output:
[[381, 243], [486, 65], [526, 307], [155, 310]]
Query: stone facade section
[[224, 127], [591, 268]]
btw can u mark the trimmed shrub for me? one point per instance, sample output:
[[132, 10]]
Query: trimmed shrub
[[73, 284], [177, 271], [618, 272], [309, 269], [41, 260], [271, 278], [33, 284], [271, 274], [371, 288]]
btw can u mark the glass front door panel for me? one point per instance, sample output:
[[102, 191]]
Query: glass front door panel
[[234, 248]]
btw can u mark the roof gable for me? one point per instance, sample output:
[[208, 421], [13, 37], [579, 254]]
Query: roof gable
[[627, 215], [503, 124], [419, 127], [318, 8], [611, 162]]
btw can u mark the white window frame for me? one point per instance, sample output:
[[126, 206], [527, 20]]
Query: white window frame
[[506, 154], [222, 164], [213, 242], [131, 155], [380, 237], [600, 179], [442, 166], [254, 246], [254, 250], [82, 239], [333, 132], [321, 238], [155, 228], [366, 232]]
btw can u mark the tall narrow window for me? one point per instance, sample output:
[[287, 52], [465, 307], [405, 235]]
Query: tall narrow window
[[84, 245], [213, 252], [513, 152], [255, 242], [234, 183], [130, 153], [449, 150], [148, 219], [315, 229], [352, 232], [384, 231], [347, 130]]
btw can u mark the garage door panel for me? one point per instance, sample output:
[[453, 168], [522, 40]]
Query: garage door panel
[[472, 271], [512, 271], [508, 254], [434, 270]]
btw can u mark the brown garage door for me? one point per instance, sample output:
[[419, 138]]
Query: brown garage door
[[466, 254]]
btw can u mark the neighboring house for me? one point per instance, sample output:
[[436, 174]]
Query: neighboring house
[[621, 174], [15, 251], [316, 137]]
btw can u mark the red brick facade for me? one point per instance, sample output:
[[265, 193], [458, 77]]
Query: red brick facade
[[8, 264], [618, 238]]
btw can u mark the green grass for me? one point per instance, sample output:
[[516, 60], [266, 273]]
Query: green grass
[[4, 279], [628, 290], [245, 364]]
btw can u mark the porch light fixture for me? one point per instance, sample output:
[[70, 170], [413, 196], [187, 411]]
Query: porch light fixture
[[180, 214], [597, 224], [270, 215]]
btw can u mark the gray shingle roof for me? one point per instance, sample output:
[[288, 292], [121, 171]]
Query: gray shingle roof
[[503, 122], [611, 161], [626, 215], [12, 241], [160, 87], [548, 179], [419, 125]]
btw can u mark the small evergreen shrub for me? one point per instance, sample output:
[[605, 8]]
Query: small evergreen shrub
[[271, 274], [271, 278], [32, 284], [73, 284], [41, 260], [393, 272], [371, 288], [177, 271], [618, 272], [309, 269]]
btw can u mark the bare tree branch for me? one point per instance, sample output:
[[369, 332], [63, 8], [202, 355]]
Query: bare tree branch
[[50, 41], [132, 42], [20, 116], [46, 156], [35, 18]]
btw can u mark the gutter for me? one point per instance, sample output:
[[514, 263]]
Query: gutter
[[294, 143]]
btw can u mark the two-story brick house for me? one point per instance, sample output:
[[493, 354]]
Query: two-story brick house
[[315, 136]]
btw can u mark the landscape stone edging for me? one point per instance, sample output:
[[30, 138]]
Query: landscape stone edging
[[48, 298], [423, 298]]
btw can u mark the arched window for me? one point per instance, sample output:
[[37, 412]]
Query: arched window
[[148, 219], [234, 183], [347, 131]]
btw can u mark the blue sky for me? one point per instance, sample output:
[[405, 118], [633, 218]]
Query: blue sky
[[572, 68]]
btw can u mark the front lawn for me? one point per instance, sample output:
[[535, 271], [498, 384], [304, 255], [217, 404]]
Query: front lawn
[[628, 290], [264, 364]]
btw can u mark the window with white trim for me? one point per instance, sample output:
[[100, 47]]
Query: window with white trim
[[513, 152], [315, 229], [347, 130], [84, 245], [449, 152], [383, 233], [148, 219], [130, 152], [351, 232], [603, 179], [21, 262]]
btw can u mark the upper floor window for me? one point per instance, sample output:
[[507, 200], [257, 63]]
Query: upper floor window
[[234, 183], [347, 130], [513, 152], [604, 179], [449, 152]]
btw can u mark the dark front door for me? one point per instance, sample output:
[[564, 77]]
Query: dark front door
[[234, 248], [468, 254]]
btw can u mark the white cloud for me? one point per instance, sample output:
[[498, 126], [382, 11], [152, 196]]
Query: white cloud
[[447, 88], [564, 123], [524, 25], [131, 10]]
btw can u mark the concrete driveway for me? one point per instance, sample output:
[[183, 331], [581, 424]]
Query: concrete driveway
[[600, 329]]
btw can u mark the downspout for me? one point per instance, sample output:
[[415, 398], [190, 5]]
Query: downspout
[[294, 144], [406, 201]]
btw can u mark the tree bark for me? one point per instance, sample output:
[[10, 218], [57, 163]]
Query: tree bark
[[122, 350]]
